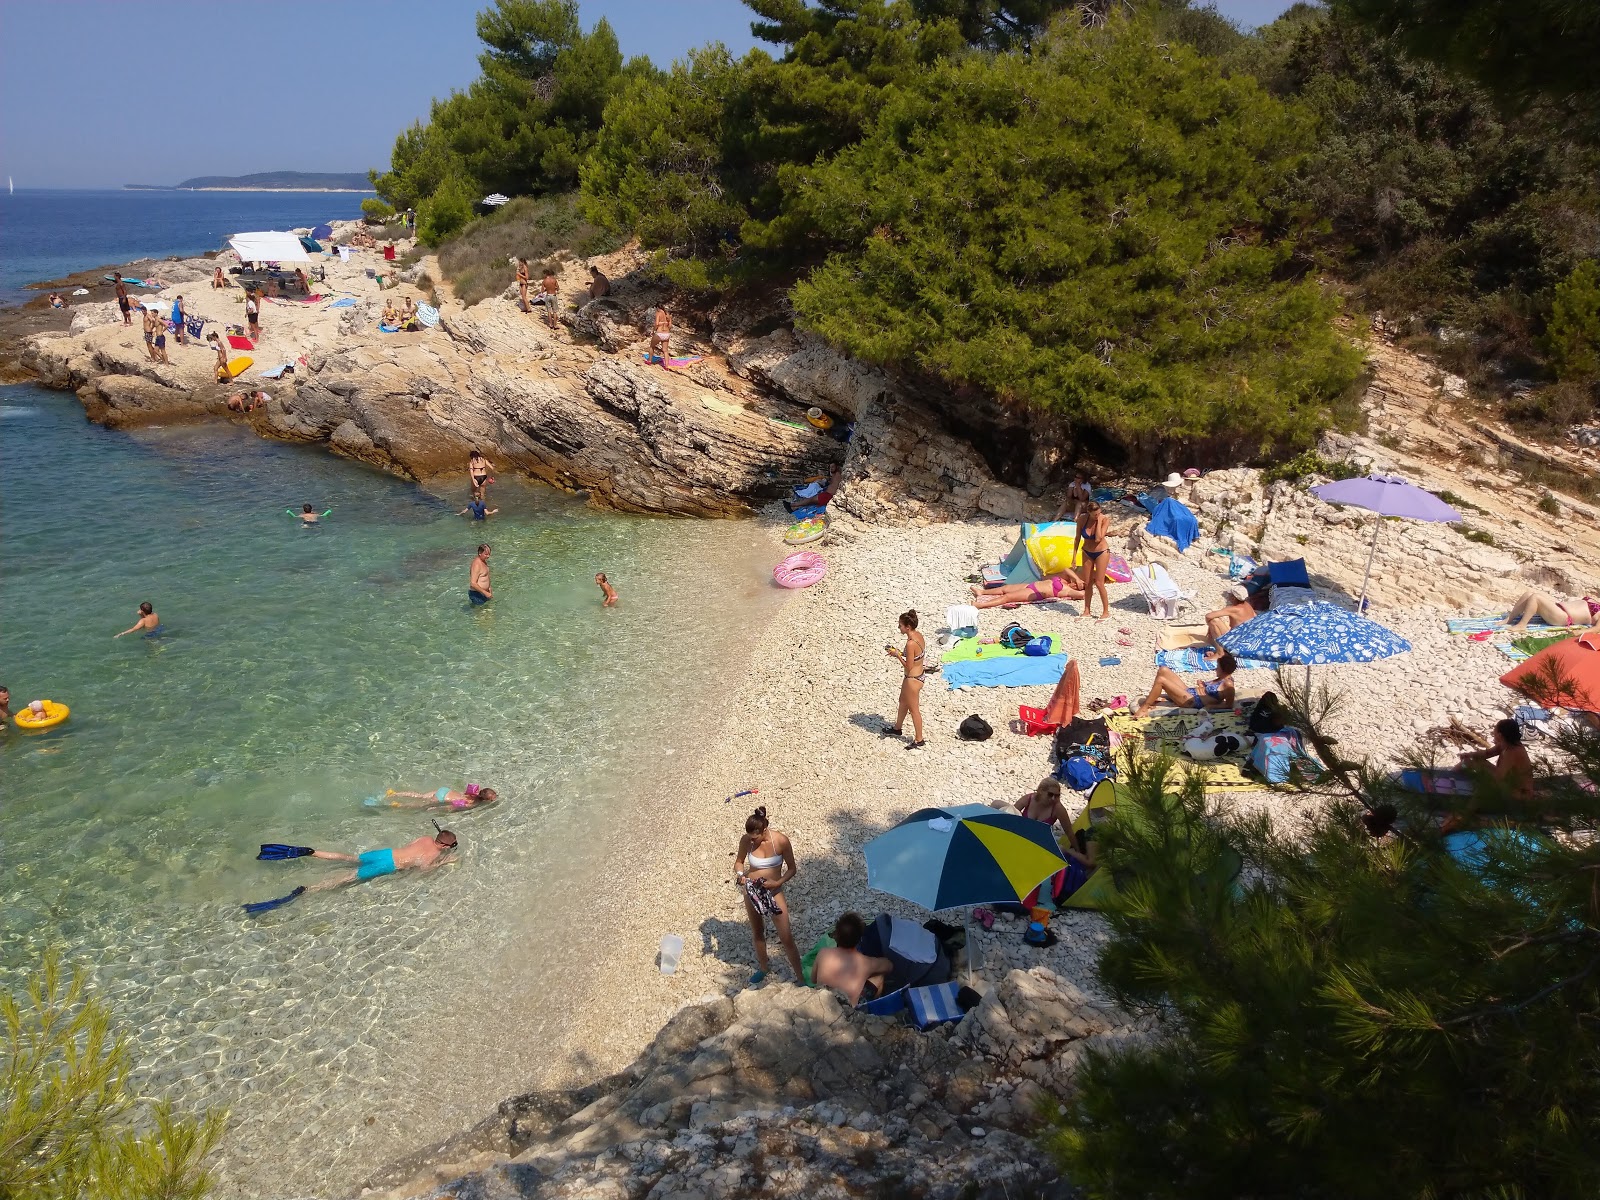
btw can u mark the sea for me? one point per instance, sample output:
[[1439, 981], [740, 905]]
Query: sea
[[300, 673]]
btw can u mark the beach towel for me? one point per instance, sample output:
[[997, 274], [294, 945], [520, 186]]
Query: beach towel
[[240, 343], [934, 1005], [968, 649], [1192, 659], [1180, 639], [1066, 699], [677, 362], [276, 372], [347, 302], [1171, 519], [1490, 624], [1017, 670], [1172, 727]]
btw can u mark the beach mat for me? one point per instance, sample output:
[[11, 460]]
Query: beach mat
[[1169, 729], [1489, 624], [1432, 781], [685, 361], [240, 343], [1181, 639], [966, 650], [1192, 659], [1018, 671]]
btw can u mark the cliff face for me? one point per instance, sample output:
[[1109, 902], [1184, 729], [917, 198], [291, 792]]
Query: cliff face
[[579, 407]]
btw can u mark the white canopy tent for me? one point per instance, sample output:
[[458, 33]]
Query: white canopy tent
[[269, 247]]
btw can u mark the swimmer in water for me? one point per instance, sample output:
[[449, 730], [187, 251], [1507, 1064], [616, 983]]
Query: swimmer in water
[[148, 623], [421, 855], [608, 593], [444, 797], [307, 515], [5, 706], [477, 510]]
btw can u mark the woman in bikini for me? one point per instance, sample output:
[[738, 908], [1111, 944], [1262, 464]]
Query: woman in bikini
[[1079, 492], [911, 686], [1092, 531], [478, 468], [763, 863], [472, 796], [1044, 804], [1065, 586], [1213, 693], [1551, 611]]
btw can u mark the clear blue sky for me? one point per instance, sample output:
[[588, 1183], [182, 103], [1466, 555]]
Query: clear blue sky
[[98, 93]]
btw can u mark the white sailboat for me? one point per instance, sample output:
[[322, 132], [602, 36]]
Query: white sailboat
[[11, 185]]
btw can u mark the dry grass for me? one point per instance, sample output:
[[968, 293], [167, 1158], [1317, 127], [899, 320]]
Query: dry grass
[[477, 262]]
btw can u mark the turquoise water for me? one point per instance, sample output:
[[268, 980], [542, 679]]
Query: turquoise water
[[302, 670]]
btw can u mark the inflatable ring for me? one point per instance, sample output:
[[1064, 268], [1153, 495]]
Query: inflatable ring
[[54, 714], [805, 531], [819, 419], [800, 570]]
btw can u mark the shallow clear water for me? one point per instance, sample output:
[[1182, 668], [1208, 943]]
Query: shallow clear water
[[301, 671]]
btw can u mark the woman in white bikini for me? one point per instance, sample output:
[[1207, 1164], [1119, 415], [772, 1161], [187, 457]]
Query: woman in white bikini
[[763, 864], [1092, 533], [911, 686]]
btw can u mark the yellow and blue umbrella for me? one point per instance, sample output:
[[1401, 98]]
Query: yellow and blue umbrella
[[964, 854]]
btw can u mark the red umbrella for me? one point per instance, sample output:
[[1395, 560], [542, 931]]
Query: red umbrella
[[1565, 674]]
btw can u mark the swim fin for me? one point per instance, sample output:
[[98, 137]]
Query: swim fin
[[261, 906], [272, 852]]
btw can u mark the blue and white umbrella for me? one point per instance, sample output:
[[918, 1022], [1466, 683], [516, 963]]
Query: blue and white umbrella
[[1312, 634]]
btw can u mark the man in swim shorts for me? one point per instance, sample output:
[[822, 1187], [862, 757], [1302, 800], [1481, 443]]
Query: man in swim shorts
[[478, 589], [148, 623], [423, 854], [122, 300]]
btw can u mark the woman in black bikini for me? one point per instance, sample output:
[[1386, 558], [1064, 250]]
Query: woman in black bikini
[[911, 686], [478, 468], [1096, 557]]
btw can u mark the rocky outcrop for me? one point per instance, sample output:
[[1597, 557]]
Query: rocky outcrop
[[782, 1091]]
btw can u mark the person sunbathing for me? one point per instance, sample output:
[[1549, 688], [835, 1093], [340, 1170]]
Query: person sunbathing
[[1063, 586], [1552, 611], [1220, 621], [1512, 766], [391, 315], [1215, 693]]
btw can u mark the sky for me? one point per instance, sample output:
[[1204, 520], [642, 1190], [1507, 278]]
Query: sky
[[99, 93]]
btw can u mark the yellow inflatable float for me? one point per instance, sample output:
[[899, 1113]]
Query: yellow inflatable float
[[50, 714]]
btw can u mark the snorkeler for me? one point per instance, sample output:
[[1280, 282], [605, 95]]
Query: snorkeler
[[423, 854], [608, 594], [148, 622], [443, 798], [307, 514]]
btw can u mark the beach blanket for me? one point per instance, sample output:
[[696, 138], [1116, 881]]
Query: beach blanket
[[677, 362], [1014, 671], [1435, 782], [1490, 624], [1181, 639], [966, 650], [276, 372], [1169, 729], [240, 343], [1536, 642], [388, 329], [1193, 659], [347, 302], [1171, 519]]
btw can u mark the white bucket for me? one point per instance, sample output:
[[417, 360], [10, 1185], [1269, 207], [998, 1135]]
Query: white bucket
[[671, 953]]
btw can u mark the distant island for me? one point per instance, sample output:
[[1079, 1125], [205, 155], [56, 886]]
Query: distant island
[[266, 181]]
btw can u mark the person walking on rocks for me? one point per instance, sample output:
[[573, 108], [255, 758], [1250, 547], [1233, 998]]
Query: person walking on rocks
[[122, 299], [911, 659], [523, 279], [763, 863]]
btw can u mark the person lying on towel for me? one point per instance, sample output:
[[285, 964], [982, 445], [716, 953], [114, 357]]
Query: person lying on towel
[[1064, 586], [1211, 693]]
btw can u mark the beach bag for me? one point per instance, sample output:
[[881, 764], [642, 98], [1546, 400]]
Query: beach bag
[[1037, 647], [1014, 636], [975, 729], [1276, 755], [1266, 716], [1080, 732], [1080, 773]]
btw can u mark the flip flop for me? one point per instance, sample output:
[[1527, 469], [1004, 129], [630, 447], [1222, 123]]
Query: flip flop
[[1124, 642], [1126, 631]]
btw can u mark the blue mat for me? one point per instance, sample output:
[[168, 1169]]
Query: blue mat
[[1191, 659], [1021, 671], [347, 302]]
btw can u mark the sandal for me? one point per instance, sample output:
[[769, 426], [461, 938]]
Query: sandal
[[890, 731], [916, 745], [984, 917]]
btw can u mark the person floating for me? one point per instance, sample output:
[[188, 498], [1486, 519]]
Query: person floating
[[307, 515], [148, 623], [911, 659], [608, 594], [478, 589], [1217, 693], [469, 797], [763, 863], [477, 510], [5, 705], [423, 854], [1512, 766], [1065, 585]]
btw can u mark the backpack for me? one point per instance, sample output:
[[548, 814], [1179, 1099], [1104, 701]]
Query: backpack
[[1277, 755], [1080, 773], [975, 729], [1037, 647], [1014, 636], [1081, 731], [1266, 716]]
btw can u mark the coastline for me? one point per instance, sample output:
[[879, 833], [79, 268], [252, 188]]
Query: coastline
[[345, 191]]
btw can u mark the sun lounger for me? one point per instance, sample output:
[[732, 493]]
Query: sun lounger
[[1161, 592]]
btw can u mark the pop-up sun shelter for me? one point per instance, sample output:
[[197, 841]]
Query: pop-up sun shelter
[[1041, 551], [269, 247]]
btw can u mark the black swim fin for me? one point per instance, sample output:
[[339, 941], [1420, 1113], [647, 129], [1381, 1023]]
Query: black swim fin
[[272, 852], [261, 906]]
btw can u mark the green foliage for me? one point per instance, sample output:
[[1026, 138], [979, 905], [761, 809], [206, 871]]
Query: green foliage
[[1309, 462], [1352, 1018], [445, 213], [524, 126], [1549, 506], [375, 211], [479, 261], [1573, 332], [1482, 536], [67, 1123], [1081, 231]]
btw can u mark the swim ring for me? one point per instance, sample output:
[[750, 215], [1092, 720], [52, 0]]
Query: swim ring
[[54, 714], [805, 531], [819, 419], [800, 570]]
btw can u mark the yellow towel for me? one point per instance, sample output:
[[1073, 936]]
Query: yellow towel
[[1170, 728]]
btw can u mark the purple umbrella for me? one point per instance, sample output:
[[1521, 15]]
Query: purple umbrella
[[1388, 496]]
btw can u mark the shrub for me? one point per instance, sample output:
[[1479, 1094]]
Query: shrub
[[1309, 462], [67, 1124], [476, 263], [1481, 536], [1573, 333], [1551, 409], [445, 213], [1549, 505], [375, 211]]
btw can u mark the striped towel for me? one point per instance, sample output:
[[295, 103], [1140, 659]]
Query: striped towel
[[1490, 624], [934, 1005], [1192, 659]]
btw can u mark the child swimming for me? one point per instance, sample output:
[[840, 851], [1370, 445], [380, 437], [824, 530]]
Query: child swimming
[[608, 594], [444, 797]]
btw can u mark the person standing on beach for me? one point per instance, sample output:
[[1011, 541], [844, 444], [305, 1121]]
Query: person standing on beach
[[122, 299], [763, 863], [224, 373], [550, 296], [911, 686], [661, 337], [523, 279], [478, 589], [177, 321], [150, 335], [252, 314], [1091, 535], [160, 341]]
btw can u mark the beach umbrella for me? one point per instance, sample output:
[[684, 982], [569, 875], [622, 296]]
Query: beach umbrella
[[1314, 633], [962, 854], [311, 244], [1566, 673], [322, 231], [1388, 496], [495, 200]]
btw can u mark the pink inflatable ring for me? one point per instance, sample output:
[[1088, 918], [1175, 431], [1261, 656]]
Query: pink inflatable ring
[[800, 570]]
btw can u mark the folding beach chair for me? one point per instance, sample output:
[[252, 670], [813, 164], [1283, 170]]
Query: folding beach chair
[[1161, 592]]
